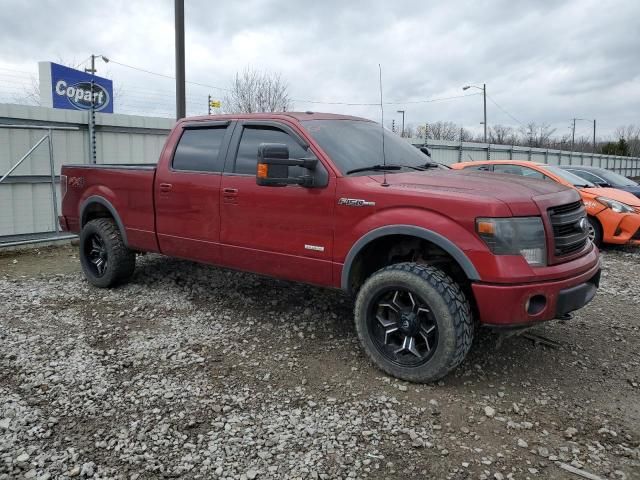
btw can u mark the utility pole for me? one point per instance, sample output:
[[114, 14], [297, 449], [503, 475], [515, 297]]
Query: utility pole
[[594, 135], [92, 113], [181, 103], [484, 95], [402, 133], [573, 133]]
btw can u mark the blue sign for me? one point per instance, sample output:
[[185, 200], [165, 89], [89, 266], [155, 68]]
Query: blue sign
[[73, 90]]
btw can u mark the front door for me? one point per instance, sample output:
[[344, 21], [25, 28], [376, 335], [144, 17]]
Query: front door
[[284, 232]]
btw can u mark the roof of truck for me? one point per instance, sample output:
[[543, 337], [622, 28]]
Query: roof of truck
[[299, 116]]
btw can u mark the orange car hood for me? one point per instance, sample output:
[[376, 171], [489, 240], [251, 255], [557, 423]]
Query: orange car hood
[[615, 194]]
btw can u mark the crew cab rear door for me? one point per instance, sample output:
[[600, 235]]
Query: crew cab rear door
[[284, 232], [187, 192]]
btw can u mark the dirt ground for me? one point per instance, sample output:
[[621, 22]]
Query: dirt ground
[[190, 371]]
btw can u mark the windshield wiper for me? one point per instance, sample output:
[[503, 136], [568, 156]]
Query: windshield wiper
[[374, 168], [420, 168], [430, 165]]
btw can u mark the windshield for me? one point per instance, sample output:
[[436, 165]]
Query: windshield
[[354, 144], [615, 179], [575, 180]]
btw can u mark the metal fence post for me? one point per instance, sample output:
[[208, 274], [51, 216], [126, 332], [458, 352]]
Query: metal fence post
[[54, 193], [546, 156]]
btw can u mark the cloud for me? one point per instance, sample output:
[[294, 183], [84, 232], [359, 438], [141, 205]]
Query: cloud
[[542, 61]]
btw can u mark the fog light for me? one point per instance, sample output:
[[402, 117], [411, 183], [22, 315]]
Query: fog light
[[536, 304], [533, 256]]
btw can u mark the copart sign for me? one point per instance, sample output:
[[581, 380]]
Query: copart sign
[[71, 89]]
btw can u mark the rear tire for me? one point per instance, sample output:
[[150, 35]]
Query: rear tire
[[595, 231], [105, 259], [414, 322]]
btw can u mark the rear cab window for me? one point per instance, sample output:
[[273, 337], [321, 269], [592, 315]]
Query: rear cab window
[[199, 150]]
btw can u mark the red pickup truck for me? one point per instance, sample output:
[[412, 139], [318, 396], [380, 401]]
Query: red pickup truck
[[310, 197]]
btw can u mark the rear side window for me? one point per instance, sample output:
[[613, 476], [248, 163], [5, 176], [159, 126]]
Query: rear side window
[[252, 137], [199, 150], [518, 170], [481, 168]]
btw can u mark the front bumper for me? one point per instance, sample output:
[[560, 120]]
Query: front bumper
[[525, 304], [619, 228]]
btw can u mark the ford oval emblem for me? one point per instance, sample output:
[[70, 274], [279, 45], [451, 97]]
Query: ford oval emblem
[[584, 224], [80, 95]]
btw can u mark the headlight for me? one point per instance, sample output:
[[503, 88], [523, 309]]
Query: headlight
[[615, 205], [515, 236]]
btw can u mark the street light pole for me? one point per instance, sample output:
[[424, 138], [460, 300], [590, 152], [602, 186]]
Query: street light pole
[[181, 103], [484, 97], [402, 112]]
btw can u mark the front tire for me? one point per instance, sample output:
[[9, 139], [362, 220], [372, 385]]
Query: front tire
[[414, 322], [105, 259], [595, 231]]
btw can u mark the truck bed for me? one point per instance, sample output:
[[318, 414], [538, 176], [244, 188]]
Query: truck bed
[[123, 188]]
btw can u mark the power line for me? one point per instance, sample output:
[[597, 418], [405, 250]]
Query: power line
[[504, 111], [409, 102], [167, 76], [299, 100]]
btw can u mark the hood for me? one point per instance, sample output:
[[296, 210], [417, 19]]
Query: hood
[[517, 192], [615, 194], [633, 189]]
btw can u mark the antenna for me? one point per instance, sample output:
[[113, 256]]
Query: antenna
[[384, 157]]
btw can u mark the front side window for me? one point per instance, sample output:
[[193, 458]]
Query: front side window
[[198, 150], [587, 176], [616, 179], [247, 157], [573, 179], [519, 170]]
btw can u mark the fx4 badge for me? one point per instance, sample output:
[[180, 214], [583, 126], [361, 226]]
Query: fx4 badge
[[355, 202]]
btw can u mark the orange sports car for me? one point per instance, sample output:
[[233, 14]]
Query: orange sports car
[[614, 215]]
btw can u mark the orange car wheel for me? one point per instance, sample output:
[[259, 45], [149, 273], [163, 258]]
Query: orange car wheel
[[595, 231]]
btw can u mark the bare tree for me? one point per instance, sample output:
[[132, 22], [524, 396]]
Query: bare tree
[[257, 91], [442, 131], [502, 135], [537, 135]]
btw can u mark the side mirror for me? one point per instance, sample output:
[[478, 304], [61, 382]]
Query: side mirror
[[603, 184], [426, 151], [274, 163]]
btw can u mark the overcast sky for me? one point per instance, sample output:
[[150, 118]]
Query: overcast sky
[[542, 60]]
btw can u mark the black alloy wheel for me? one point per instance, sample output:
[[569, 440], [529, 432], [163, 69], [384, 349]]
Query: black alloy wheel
[[97, 254], [403, 327]]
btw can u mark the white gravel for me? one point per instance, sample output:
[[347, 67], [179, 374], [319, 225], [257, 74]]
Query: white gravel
[[194, 372]]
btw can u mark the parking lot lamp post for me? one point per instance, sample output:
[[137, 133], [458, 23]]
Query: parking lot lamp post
[[484, 96]]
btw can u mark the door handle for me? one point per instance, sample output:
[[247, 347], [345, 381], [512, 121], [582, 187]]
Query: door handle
[[165, 187], [230, 191]]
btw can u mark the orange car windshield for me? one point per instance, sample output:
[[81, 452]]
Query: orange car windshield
[[574, 180]]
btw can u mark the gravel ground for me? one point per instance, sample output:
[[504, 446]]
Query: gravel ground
[[194, 372]]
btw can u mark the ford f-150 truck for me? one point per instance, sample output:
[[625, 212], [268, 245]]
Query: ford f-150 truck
[[339, 202]]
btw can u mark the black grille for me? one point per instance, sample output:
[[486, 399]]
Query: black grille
[[568, 233]]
